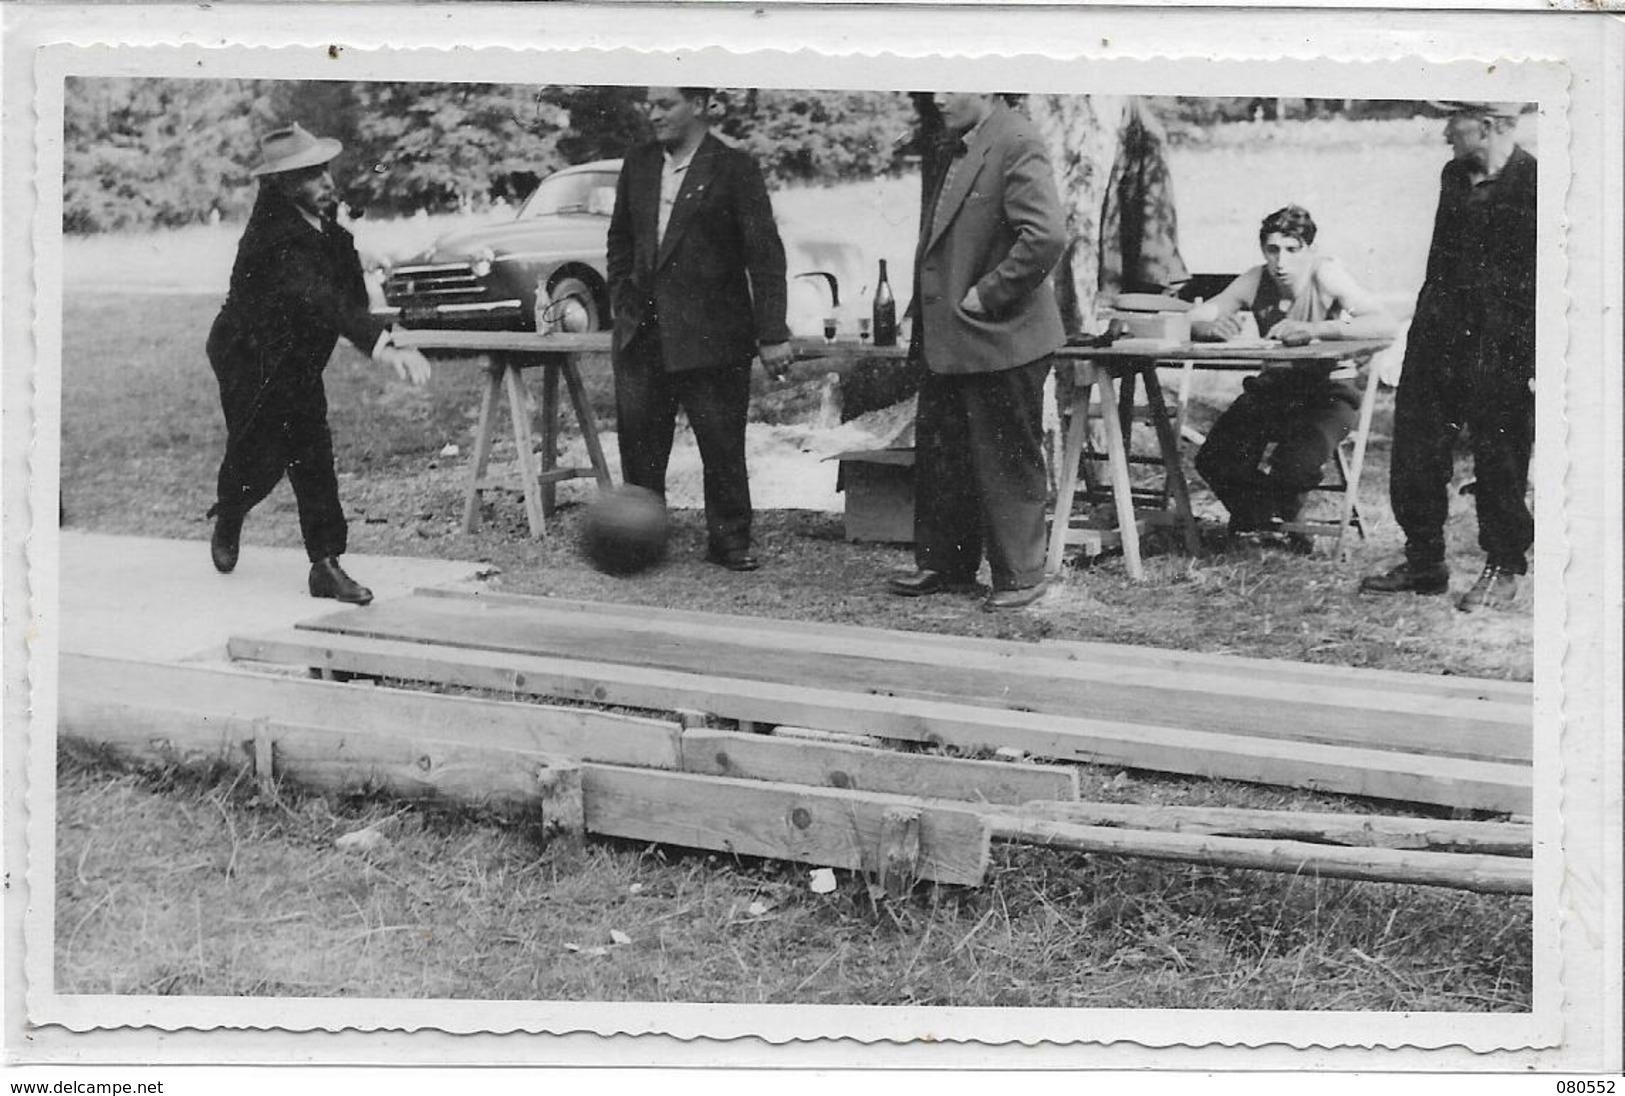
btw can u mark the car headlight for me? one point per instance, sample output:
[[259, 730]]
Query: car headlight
[[573, 316], [482, 263]]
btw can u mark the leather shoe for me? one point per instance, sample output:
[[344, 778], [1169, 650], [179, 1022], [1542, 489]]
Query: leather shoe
[[327, 579], [921, 582], [1496, 588], [224, 542], [740, 560], [1015, 599], [1407, 579]]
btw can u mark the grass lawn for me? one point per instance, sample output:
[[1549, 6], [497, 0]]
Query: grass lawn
[[171, 883], [168, 884], [142, 436], [190, 883]]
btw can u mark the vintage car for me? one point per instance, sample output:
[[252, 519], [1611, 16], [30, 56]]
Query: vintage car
[[545, 268]]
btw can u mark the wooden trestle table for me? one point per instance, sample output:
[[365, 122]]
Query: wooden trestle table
[[1095, 373]]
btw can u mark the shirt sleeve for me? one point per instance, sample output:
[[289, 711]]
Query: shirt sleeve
[[764, 255]]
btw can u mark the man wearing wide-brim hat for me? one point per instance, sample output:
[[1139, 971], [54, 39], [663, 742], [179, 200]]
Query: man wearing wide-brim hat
[[296, 286], [1470, 363]]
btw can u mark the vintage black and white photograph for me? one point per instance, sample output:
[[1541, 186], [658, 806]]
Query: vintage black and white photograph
[[932, 547]]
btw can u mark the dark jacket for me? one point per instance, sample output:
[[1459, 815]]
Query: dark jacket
[[294, 291], [997, 226], [1139, 222], [1475, 315], [715, 282]]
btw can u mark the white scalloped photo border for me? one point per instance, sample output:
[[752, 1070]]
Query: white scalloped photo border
[[1207, 53]]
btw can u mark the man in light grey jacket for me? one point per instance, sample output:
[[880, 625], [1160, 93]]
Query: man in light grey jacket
[[985, 323]]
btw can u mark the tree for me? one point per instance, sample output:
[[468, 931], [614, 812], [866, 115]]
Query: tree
[[1082, 134], [438, 146], [604, 121], [139, 152], [817, 136]]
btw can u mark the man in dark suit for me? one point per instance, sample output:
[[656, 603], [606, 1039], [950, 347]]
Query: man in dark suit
[[296, 286], [1470, 362], [986, 324], [696, 281]]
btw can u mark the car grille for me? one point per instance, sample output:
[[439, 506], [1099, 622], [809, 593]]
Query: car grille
[[437, 284]]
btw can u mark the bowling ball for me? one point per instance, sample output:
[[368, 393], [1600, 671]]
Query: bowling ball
[[625, 530]]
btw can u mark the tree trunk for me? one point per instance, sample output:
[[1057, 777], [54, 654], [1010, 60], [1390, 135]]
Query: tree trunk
[[1082, 134]]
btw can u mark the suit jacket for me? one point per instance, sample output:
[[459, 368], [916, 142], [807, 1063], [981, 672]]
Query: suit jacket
[[1139, 222], [715, 282], [294, 291], [1475, 315], [998, 227]]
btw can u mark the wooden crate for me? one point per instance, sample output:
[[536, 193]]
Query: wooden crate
[[879, 488]]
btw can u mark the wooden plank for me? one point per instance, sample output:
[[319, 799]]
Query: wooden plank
[[592, 344], [1217, 354], [826, 826], [346, 761], [1004, 651], [1380, 774], [1487, 874], [520, 342], [899, 850], [223, 693], [839, 738], [860, 768], [1210, 702], [1416, 694], [1368, 830], [322, 758]]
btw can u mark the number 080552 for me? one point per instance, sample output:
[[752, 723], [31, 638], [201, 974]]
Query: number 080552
[[1586, 1088]]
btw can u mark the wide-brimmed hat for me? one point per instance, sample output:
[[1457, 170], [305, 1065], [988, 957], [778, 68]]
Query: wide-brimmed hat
[[293, 148], [1479, 108]]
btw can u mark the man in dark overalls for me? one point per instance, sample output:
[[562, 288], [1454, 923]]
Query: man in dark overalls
[[1470, 363]]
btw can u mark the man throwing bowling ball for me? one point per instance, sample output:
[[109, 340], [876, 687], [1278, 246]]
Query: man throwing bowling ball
[[296, 286], [696, 282]]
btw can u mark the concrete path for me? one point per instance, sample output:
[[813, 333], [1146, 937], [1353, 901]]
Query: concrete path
[[140, 597]]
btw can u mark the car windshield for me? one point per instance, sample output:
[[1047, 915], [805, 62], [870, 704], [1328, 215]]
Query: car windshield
[[591, 192]]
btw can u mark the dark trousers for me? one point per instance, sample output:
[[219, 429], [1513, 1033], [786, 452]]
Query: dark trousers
[[716, 402], [277, 424], [979, 480], [1269, 446], [1431, 409]]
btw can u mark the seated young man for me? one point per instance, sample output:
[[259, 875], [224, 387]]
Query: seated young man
[[1267, 449]]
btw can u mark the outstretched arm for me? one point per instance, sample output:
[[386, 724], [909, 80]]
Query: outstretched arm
[[1362, 315], [1219, 318]]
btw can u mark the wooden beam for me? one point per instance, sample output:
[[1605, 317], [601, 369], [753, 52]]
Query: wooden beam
[[322, 758], [1487, 874], [1516, 693], [858, 662], [860, 768], [825, 826], [220, 693], [1361, 830], [899, 850], [1376, 773]]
